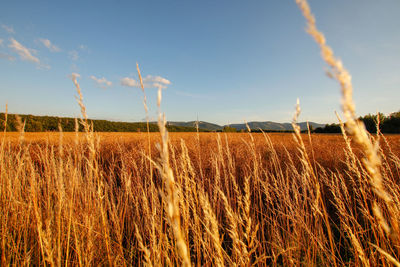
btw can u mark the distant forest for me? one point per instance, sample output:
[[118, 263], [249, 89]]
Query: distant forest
[[51, 123], [387, 124]]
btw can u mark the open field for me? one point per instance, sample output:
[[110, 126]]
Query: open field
[[328, 149], [240, 198], [203, 199]]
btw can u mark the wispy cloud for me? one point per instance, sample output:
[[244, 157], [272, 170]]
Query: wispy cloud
[[1, 42], [101, 82], [73, 76], [78, 51], [129, 82], [23, 52], [47, 43], [155, 81], [74, 55], [148, 82], [8, 29], [7, 56]]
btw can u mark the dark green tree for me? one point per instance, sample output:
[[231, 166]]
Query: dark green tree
[[229, 129]]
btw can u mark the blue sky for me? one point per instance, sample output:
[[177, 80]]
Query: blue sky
[[221, 61]]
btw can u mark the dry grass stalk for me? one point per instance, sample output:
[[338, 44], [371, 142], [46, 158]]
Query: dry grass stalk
[[372, 161], [319, 205], [147, 118], [213, 229], [5, 118], [143, 248], [95, 222], [172, 195], [387, 255], [356, 128]]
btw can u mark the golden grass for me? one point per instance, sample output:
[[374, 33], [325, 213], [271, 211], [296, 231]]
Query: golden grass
[[256, 201], [236, 199], [372, 159]]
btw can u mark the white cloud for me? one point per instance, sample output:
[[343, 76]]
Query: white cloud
[[101, 82], [23, 52], [47, 43], [1, 42], [156, 79], [8, 29], [129, 82], [155, 82], [73, 76], [148, 82], [7, 56], [74, 55]]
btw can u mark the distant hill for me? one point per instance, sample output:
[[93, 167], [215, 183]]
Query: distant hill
[[254, 125], [266, 125], [388, 124], [202, 125], [50, 123], [274, 126]]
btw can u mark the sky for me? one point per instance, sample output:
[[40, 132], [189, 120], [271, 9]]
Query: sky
[[224, 61]]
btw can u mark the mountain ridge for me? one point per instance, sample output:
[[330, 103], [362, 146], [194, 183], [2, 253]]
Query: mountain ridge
[[50, 123], [254, 125]]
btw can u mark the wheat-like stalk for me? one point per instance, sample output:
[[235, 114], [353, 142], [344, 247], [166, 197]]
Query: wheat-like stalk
[[372, 160]]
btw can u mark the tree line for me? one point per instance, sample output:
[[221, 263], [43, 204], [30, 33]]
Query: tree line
[[33, 123], [387, 124]]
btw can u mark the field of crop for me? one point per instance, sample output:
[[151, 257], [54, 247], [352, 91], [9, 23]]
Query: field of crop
[[182, 199], [238, 198]]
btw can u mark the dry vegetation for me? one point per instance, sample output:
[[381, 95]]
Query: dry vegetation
[[242, 199], [202, 199]]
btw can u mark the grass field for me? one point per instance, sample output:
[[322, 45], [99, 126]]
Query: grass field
[[237, 199], [242, 199]]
